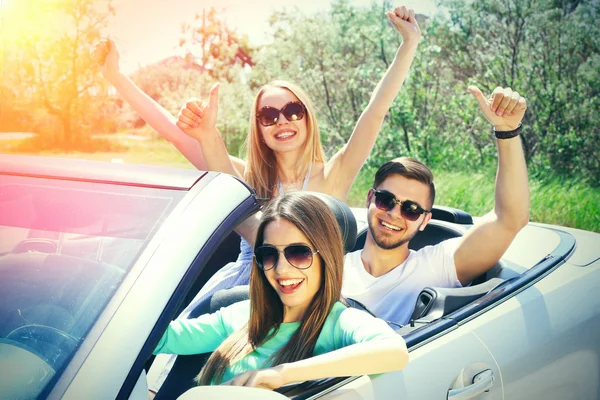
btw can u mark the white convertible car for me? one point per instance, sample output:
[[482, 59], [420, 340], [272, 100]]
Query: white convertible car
[[97, 258]]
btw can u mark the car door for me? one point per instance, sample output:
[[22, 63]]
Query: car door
[[546, 339], [446, 361]]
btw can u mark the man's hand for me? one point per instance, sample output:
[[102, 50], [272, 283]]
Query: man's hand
[[107, 56], [404, 22], [197, 116], [504, 109], [269, 378]]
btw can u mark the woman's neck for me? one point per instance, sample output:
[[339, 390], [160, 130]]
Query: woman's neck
[[288, 167], [293, 314]]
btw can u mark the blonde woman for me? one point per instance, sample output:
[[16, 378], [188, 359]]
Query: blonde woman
[[283, 154], [284, 146], [294, 327], [284, 149]]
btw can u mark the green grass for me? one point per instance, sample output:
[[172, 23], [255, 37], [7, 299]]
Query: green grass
[[561, 202]]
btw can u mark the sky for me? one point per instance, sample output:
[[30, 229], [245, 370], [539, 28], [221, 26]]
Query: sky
[[146, 31]]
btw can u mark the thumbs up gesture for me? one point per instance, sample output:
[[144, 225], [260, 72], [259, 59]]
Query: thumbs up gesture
[[504, 108], [197, 116]]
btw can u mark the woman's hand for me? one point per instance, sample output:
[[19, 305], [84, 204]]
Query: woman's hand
[[197, 116], [107, 56], [404, 22], [269, 378]]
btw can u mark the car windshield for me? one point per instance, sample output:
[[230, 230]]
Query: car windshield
[[65, 247]]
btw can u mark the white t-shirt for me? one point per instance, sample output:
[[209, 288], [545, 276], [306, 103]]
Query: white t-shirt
[[392, 296]]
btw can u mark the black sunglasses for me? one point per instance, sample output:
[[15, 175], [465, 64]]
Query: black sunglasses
[[292, 111], [298, 255], [386, 201]]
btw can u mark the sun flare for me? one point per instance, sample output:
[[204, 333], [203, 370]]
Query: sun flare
[[29, 20]]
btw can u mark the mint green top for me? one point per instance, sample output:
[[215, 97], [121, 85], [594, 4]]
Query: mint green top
[[343, 327]]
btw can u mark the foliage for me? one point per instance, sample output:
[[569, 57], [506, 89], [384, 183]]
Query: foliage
[[53, 66], [547, 50], [522, 44], [550, 52], [215, 47], [215, 53]]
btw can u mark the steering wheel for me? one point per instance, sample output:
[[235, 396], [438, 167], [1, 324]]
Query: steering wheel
[[54, 345]]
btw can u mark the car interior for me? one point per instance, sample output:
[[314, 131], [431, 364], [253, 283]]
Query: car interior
[[432, 304]]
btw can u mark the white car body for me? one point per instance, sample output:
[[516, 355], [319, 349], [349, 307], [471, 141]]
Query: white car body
[[535, 335]]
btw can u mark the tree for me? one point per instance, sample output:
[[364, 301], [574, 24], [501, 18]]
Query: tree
[[550, 52], [57, 66], [215, 47]]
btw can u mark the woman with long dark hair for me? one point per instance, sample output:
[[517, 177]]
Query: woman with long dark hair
[[294, 327]]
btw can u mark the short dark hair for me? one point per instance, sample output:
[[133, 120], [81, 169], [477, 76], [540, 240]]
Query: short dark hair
[[410, 168]]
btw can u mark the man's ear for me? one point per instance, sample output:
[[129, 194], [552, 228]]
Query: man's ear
[[369, 197], [425, 221]]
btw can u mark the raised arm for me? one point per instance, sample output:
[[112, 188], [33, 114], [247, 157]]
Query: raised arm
[[153, 113], [346, 164], [486, 242], [198, 120]]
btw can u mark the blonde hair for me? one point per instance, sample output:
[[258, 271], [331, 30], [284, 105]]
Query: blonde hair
[[261, 167], [314, 218]]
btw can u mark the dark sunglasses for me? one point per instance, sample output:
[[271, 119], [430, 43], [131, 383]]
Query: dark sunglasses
[[292, 111], [386, 201], [298, 255]]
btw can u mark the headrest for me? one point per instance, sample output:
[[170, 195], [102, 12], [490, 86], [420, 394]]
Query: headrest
[[345, 219]]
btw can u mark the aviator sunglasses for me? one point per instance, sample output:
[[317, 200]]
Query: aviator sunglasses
[[292, 111], [409, 210], [298, 255]]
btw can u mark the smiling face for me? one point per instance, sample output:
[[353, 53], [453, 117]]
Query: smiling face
[[296, 287], [284, 135], [388, 229]]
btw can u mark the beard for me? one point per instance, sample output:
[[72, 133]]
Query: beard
[[386, 244]]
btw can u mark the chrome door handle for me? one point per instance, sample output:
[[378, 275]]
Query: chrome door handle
[[482, 382]]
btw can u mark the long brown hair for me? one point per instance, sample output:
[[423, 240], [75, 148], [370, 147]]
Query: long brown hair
[[261, 166], [314, 218]]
